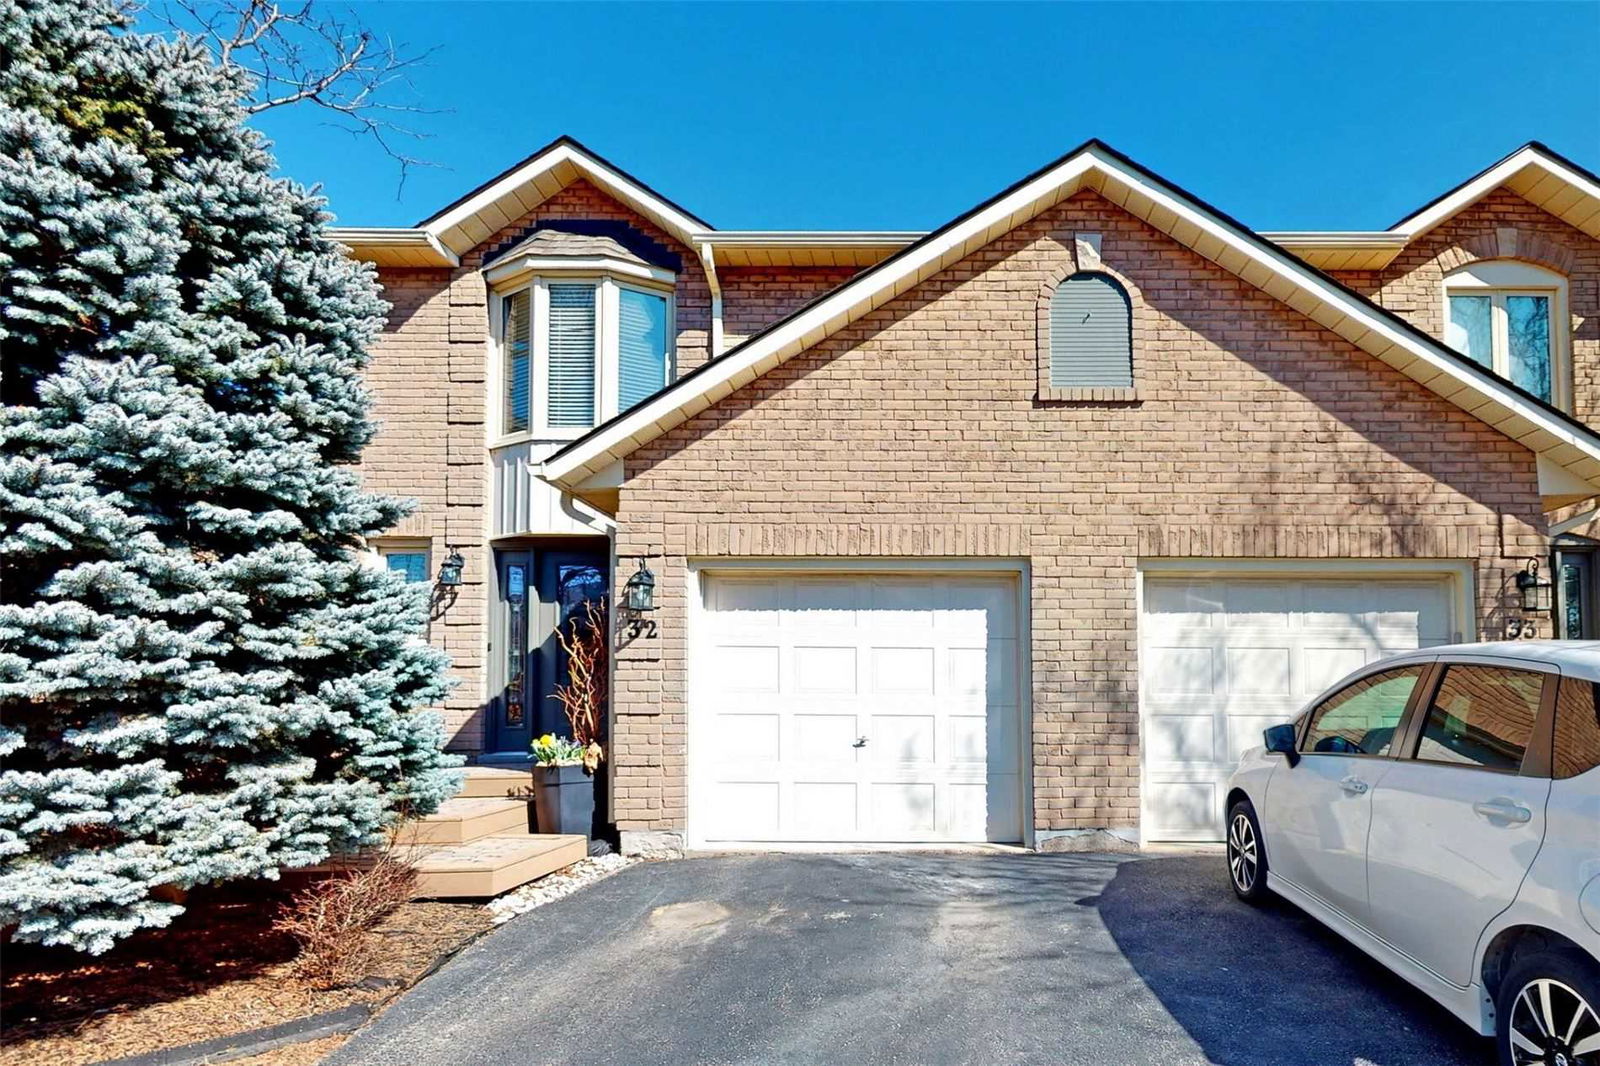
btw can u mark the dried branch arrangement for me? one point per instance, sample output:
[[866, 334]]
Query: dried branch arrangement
[[583, 695]]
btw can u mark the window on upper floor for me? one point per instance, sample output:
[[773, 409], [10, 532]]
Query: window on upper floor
[[576, 350], [1507, 316], [1091, 333]]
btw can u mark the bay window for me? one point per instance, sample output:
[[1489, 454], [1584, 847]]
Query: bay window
[[1506, 316], [576, 350]]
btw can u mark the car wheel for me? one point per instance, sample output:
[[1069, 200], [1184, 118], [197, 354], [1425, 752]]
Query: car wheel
[[1247, 858], [1548, 1010]]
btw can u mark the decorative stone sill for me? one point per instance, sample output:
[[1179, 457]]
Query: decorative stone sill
[[1053, 394]]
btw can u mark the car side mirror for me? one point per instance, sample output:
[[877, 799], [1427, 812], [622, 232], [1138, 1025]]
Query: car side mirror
[[1280, 738]]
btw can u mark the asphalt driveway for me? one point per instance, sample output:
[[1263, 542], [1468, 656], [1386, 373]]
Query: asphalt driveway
[[915, 958]]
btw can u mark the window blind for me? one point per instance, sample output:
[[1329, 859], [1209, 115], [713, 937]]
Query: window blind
[[641, 347], [1091, 334], [570, 398], [517, 371]]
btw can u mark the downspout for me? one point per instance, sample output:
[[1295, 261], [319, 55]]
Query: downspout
[[708, 259]]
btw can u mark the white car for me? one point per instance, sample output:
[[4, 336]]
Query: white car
[[1441, 811]]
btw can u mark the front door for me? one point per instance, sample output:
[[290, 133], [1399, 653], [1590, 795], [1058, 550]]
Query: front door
[[1577, 615], [538, 590], [1456, 826]]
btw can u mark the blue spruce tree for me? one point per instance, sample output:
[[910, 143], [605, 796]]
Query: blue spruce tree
[[199, 680]]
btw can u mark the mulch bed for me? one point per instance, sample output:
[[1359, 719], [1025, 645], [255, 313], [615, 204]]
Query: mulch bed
[[219, 969]]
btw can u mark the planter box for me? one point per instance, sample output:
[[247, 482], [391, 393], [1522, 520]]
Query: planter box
[[563, 800]]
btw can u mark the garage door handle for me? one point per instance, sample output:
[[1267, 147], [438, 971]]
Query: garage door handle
[[1503, 810], [861, 742], [1353, 785]]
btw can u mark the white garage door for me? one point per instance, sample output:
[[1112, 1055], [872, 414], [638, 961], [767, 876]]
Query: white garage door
[[1221, 659], [855, 708]]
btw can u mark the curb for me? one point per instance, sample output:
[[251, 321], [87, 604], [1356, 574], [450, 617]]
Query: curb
[[253, 1042]]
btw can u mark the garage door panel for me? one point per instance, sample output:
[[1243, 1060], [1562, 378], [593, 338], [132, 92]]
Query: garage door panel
[[821, 669], [1223, 658], [1181, 671], [920, 670], [903, 738], [747, 668], [901, 670], [832, 807], [1253, 669]]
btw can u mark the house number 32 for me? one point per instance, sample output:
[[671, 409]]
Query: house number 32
[[641, 627]]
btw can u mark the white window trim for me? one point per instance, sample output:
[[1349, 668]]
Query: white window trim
[[607, 358], [1499, 278]]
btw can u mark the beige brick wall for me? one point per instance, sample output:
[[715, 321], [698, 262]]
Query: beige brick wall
[[426, 377], [753, 298], [917, 431], [1501, 225]]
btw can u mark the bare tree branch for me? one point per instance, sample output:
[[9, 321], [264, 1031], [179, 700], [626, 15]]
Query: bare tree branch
[[299, 54]]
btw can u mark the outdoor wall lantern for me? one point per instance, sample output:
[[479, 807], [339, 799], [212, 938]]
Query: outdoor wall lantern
[[639, 594], [450, 570], [1536, 595]]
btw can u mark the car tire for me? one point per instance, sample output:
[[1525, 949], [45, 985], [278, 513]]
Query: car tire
[[1561, 1030], [1247, 856]]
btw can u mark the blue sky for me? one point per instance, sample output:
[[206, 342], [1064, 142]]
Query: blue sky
[[899, 116]]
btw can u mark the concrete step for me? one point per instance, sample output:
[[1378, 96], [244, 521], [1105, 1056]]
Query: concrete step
[[496, 782], [494, 864], [461, 820]]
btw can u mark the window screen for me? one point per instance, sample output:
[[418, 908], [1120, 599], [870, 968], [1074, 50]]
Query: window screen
[[1482, 716]]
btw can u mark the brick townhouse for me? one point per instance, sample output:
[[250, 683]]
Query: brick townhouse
[[1018, 530]]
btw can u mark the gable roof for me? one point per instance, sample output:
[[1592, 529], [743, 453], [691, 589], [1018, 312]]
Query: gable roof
[[1546, 179], [1563, 443], [514, 192]]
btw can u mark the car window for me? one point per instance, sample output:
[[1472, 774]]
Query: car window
[[1361, 718], [1482, 716], [1577, 742]]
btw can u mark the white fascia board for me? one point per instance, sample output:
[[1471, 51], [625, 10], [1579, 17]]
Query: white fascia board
[[613, 183], [1486, 183], [1356, 240], [780, 238], [359, 237], [748, 362], [1301, 286]]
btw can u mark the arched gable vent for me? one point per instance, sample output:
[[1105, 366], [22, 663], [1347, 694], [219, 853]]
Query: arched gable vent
[[1091, 333]]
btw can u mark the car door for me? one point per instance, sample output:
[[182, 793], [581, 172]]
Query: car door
[[1457, 821], [1319, 810]]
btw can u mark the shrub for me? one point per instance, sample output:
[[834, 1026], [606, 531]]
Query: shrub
[[330, 919]]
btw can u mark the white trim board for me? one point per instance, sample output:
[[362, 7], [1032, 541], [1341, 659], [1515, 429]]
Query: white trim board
[[1274, 271]]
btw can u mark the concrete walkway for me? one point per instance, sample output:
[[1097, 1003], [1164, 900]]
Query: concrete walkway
[[915, 958]]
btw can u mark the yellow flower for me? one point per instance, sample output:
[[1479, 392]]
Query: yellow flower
[[547, 740]]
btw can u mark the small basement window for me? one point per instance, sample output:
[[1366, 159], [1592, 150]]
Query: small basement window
[[1091, 334], [412, 562]]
